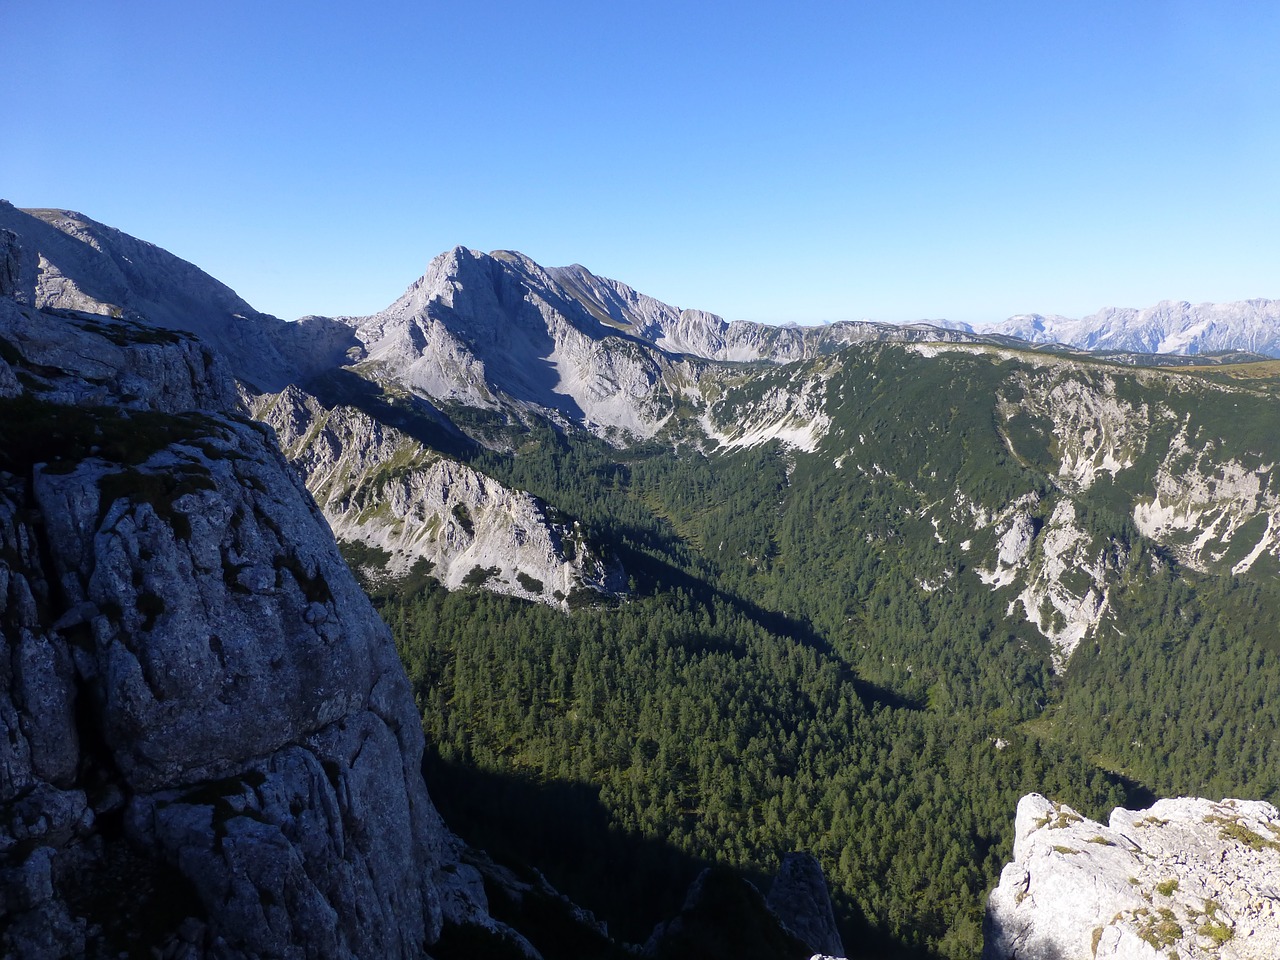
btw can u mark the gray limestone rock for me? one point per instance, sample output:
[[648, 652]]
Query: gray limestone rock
[[705, 335], [211, 747], [498, 331], [68, 263], [378, 486], [799, 897], [1189, 877]]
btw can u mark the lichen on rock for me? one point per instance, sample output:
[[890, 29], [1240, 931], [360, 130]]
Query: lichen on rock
[[1189, 877]]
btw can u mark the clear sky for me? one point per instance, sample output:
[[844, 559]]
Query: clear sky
[[803, 162]]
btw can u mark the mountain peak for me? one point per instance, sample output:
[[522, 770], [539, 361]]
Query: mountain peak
[[1170, 326]]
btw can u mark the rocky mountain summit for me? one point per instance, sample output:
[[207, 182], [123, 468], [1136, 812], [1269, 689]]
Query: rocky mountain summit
[[486, 329], [1171, 326], [1187, 878], [62, 260]]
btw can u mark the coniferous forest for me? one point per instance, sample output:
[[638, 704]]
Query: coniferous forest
[[778, 677]]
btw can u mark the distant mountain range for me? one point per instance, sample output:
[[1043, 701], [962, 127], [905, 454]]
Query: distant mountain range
[[83, 264], [1172, 327]]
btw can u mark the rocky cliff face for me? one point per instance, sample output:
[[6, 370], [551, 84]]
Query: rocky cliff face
[[380, 488], [479, 328], [724, 917], [800, 899], [1188, 878], [497, 331], [66, 261], [1160, 435], [211, 748], [1156, 445]]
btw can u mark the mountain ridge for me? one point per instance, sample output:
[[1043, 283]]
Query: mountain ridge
[[1169, 326], [1175, 327], [67, 261], [901, 557]]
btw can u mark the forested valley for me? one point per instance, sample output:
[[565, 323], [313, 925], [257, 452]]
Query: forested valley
[[788, 672]]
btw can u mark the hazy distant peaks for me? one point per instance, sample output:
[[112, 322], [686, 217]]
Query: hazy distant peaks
[[1170, 326]]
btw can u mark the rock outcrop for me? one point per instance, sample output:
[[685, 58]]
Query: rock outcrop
[[799, 897], [210, 746], [724, 917], [407, 504], [1187, 878], [497, 332], [65, 261], [1209, 495]]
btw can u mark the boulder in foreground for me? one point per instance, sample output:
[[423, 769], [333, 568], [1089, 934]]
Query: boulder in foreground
[[1187, 878]]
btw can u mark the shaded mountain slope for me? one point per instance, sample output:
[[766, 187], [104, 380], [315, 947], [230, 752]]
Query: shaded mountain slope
[[67, 261]]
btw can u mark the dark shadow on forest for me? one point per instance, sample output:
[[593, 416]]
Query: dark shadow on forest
[[654, 575], [1137, 795], [562, 829], [411, 415]]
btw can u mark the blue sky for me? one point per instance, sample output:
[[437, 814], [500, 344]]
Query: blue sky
[[805, 162]]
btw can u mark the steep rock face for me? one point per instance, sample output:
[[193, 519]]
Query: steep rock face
[[487, 328], [1063, 609], [1153, 442], [1170, 326], [1189, 878], [725, 918], [477, 328], [68, 262], [214, 750], [706, 335], [1214, 507], [799, 897], [1063, 570], [788, 405], [381, 488], [1203, 503]]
